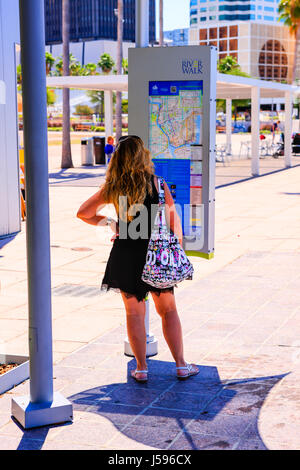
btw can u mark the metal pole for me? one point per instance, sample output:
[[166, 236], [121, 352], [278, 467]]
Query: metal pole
[[141, 23], [288, 130], [142, 40], [47, 410], [255, 100]]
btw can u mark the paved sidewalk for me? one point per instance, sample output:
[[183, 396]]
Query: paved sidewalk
[[240, 318]]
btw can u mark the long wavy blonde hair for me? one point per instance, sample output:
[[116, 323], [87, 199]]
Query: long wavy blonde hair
[[128, 174]]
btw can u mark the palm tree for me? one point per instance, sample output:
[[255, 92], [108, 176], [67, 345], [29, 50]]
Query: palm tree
[[49, 62], [290, 14], [119, 70], [66, 160], [161, 22]]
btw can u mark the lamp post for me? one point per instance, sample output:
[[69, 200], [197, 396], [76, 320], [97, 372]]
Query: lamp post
[[42, 407]]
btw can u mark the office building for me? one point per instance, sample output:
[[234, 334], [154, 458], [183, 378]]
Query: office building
[[247, 30], [93, 27]]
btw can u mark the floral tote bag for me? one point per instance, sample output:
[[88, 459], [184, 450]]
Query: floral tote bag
[[166, 262]]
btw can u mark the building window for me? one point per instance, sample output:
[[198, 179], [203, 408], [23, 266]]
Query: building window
[[233, 44], [223, 46], [193, 12], [233, 31], [213, 33], [203, 34], [203, 18], [223, 32], [212, 17], [193, 3], [203, 10], [268, 18]]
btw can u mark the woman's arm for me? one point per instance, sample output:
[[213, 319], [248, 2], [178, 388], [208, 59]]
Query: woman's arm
[[172, 217], [89, 209]]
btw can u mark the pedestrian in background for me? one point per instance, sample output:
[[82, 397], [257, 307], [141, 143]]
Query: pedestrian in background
[[109, 148]]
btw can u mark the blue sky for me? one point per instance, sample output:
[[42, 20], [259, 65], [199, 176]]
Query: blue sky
[[176, 14]]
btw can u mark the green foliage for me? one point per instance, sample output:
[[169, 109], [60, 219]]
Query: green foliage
[[106, 63], [50, 60], [90, 69], [125, 106], [97, 98], [75, 66], [230, 66], [19, 75], [51, 96], [289, 13], [83, 110], [125, 66]]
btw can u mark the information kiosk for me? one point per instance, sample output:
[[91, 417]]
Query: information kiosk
[[172, 107]]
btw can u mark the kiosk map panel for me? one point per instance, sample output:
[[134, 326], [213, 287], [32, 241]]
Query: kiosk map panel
[[175, 141]]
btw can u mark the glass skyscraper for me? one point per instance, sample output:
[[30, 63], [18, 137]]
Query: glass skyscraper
[[233, 10], [92, 20]]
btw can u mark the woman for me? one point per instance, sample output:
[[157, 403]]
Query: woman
[[133, 189]]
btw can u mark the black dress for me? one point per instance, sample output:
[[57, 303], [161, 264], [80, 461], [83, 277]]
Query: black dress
[[128, 256]]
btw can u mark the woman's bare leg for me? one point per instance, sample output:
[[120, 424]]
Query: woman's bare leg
[[135, 314], [166, 307]]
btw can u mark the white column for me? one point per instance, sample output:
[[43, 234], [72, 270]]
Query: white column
[[288, 130], [255, 108], [228, 125], [108, 118], [141, 23]]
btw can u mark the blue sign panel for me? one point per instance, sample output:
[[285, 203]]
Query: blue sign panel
[[175, 130]]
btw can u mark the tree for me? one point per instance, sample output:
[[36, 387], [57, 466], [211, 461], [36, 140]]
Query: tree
[[119, 70], [97, 98], [49, 62], [289, 11], [230, 66], [161, 22], [19, 76], [106, 63], [51, 96], [125, 66], [66, 160], [83, 110], [90, 69]]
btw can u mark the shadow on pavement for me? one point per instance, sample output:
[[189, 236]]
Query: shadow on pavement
[[6, 240], [200, 413]]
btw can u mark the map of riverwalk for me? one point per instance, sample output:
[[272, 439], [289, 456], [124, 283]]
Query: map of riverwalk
[[175, 118]]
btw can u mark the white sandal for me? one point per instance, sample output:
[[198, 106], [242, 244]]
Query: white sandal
[[136, 371], [190, 372]]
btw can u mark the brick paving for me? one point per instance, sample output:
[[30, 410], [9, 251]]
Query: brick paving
[[240, 321]]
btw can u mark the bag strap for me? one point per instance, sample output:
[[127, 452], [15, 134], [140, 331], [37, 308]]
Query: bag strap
[[161, 191]]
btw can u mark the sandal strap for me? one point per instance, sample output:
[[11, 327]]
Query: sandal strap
[[141, 371], [186, 367]]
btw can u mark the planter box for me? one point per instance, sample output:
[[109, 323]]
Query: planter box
[[14, 376]]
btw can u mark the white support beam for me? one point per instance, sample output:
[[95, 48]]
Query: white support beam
[[288, 130], [108, 107], [228, 125], [255, 108]]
